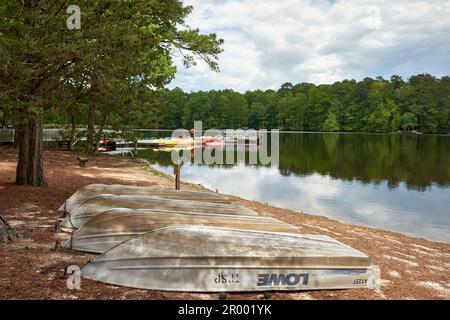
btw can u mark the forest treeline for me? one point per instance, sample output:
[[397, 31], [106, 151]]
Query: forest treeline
[[420, 103], [371, 105], [378, 105]]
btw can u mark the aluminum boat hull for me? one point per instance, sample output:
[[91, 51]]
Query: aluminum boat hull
[[96, 205], [113, 227], [208, 259], [93, 190]]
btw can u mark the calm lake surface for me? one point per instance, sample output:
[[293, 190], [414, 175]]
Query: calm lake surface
[[393, 182]]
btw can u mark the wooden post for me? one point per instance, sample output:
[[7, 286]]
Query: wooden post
[[177, 171]]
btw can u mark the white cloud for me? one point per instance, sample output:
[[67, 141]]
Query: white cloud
[[269, 42]]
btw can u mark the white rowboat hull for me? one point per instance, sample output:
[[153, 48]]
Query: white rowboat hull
[[238, 279], [211, 259], [93, 190]]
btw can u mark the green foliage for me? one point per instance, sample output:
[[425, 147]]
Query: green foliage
[[331, 123], [371, 105], [408, 121], [366, 106], [123, 49]]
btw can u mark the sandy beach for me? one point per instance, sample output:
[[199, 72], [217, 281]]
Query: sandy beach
[[33, 267]]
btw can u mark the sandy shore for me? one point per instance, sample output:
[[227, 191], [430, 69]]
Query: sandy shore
[[33, 267]]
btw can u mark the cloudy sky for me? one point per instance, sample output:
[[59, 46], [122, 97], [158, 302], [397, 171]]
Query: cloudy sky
[[269, 42]]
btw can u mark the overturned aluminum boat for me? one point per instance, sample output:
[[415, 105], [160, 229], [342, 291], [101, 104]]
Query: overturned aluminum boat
[[208, 259], [96, 205], [93, 190], [110, 228]]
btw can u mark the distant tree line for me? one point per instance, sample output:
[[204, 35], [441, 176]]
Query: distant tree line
[[421, 103], [372, 105]]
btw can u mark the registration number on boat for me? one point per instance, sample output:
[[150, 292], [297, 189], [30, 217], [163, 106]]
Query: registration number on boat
[[232, 277], [360, 281]]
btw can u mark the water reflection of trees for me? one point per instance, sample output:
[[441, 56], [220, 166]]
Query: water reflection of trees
[[418, 161]]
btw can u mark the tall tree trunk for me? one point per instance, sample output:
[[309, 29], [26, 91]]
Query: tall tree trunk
[[36, 152], [99, 134], [72, 132], [90, 126], [22, 143], [30, 168]]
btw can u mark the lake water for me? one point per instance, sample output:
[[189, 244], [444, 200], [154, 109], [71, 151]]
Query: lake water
[[393, 182]]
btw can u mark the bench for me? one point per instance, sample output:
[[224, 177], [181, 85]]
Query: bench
[[82, 161], [64, 144]]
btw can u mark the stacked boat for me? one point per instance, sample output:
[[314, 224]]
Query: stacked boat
[[172, 240]]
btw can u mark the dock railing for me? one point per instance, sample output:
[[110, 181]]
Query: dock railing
[[7, 135]]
